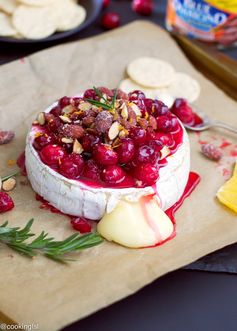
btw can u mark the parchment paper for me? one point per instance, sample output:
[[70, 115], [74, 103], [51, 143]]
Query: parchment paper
[[53, 295]]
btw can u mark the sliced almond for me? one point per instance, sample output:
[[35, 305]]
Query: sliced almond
[[65, 119], [114, 130], [9, 184], [41, 118], [77, 147], [35, 122], [67, 140], [135, 108], [124, 111], [84, 106], [165, 151], [68, 109]]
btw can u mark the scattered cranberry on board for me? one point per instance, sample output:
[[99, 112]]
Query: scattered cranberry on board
[[110, 20], [81, 224], [143, 7], [6, 202]]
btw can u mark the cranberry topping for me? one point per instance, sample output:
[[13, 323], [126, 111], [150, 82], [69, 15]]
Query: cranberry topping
[[56, 111], [183, 111], [135, 95], [6, 202], [91, 170], [42, 140], [146, 173], [125, 150], [71, 166], [138, 135], [88, 141], [112, 174], [64, 101], [145, 154], [52, 155], [104, 154], [81, 224], [116, 143]]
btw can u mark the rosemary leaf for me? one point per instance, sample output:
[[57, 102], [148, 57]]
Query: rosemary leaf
[[16, 239]]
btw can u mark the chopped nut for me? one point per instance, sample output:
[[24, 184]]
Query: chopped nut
[[77, 147], [113, 131], [123, 133], [124, 111], [84, 106], [9, 184], [135, 108], [165, 151], [68, 109], [103, 121], [65, 119], [72, 131], [41, 118], [67, 140]]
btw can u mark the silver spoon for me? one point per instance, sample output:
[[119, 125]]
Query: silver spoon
[[208, 123]]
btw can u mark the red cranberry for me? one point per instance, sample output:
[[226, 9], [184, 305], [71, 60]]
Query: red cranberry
[[56, 111], [76, 101], [106, 3], [43, 140], [90, 94], [71, 166], [104, 154], [81, 224], [88, 141], [64, 101], [164, 124], [146, 173], [91, 170], [106, 90], [183, 111], [125, 150], [143, 7], [145, 154], [6, 202], [112, 174], [163, 139], [138, 135], [156, 107], [110, 20], [52, 154], [135, 95], [54, 124]]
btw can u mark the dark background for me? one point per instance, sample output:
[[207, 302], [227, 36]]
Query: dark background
[[184, 300]]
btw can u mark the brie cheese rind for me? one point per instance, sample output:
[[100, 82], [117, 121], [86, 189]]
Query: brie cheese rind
[[76, 198]]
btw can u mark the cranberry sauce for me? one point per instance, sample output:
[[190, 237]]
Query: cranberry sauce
[[21, 163], [192, 183], [107, 138], [185, 113]]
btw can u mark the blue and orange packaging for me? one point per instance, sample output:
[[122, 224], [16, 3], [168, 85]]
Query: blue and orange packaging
[[210, 20]]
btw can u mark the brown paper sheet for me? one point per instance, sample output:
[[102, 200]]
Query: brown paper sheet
[[53, 295]]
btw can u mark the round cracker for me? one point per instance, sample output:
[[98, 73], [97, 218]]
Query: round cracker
[[67, 14], [37, 3], [127, 85], [8, 6], [184, 86], [151, 72], [6, 28], [33, 22]]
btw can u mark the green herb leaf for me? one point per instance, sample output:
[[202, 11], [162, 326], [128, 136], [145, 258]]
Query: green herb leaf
[[10, 176], [16, 239]]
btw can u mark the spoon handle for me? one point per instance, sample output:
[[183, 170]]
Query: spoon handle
[[224, 126]]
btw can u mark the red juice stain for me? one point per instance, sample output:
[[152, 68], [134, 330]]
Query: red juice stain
[[225, 143], [192, 183], [21, 163], [197, 120]]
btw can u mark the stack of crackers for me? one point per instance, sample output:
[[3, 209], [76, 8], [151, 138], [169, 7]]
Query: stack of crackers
[[37, 19], [159, 80]]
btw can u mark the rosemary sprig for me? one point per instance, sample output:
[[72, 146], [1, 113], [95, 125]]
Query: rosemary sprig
[[9, 176], [16, 239], [105, 105]]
